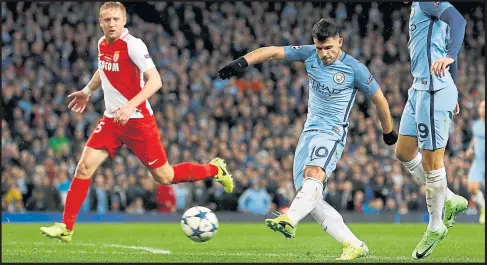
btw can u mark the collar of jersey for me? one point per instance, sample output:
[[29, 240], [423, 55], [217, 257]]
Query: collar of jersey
[[320, 63]]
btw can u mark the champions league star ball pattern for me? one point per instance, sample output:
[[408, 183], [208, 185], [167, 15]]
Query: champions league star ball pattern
[[199, 224]]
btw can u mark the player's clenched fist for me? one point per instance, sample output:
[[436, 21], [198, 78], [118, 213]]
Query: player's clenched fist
[[233, 68], [80, 99], [390, 138]]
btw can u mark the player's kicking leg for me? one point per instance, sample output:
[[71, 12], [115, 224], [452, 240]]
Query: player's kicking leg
[[90, 160], [332, 222], [315, 152], [407, 153]]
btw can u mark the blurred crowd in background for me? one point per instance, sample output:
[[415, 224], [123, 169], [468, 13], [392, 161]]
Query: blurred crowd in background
[[50, 50]]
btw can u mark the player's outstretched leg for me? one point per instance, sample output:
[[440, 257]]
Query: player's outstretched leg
[[90, 160], [406, 152], [332, 222], [190, 172]]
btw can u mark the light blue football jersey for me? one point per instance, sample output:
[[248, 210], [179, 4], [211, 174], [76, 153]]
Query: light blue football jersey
[[332, 88], [428, 41]]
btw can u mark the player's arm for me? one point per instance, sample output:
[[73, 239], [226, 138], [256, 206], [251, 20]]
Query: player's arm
[[365, 82], [260, 55], [93, 85], [139, 55], [450, 15], [380, 102], [80, 98], [152, 85], [469, 151]]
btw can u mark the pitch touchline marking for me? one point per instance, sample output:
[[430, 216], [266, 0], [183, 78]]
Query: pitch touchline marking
[[148, 249]]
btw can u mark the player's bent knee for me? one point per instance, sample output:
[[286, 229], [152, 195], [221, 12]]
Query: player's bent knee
[[83, 170], [164, 174], [314, 172]]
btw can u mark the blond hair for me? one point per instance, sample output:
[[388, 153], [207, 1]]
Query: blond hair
[[108, 5]]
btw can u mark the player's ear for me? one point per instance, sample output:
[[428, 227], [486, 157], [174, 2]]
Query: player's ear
[[340, 42]]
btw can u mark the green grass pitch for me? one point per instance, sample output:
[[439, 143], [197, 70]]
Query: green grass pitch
[[234, 242]]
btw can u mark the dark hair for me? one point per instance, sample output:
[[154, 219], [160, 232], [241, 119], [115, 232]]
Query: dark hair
[[325, 29]]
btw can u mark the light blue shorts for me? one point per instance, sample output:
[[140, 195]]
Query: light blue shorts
[[477, 171], [428, 115], [316, 148]]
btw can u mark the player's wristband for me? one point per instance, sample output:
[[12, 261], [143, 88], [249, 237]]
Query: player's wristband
[[390, 138], [242, 62], [87, 91]]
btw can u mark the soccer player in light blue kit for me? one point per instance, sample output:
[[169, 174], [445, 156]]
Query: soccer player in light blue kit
[[436, 32], [476, 175], [335, 78]]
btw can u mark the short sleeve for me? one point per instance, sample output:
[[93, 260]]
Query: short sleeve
[[298, 53], [364, 80], [140, 55], [434, 9]]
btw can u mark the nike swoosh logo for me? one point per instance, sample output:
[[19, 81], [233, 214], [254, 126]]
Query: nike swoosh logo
[[312, 66], [150, 163], [421, 255]]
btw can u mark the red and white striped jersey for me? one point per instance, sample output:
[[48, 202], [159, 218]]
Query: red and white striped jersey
[[121, 66]]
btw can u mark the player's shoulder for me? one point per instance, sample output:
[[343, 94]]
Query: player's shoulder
[[351, 61], [102, 38]]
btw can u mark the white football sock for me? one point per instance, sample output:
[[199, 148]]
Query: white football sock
[[435, 196], [306, 199], [332, 222], [479, 199], [416, 169]]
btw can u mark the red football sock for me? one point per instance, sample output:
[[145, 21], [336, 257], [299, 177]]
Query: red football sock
[[75, 198], [189, 172]]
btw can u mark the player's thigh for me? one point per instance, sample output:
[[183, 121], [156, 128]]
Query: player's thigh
[[434, 117], [407, 126], [142, 137], [316, 150], [90, 160]]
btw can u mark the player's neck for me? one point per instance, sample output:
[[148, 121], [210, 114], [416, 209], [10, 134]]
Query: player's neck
[[110, 41]]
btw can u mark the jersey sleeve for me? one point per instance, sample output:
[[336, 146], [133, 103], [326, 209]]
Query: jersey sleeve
[[140, 55], [434, 9], [298, 53], [364, 81]]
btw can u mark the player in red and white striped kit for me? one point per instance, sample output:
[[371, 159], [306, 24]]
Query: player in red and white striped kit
[[123, 63]]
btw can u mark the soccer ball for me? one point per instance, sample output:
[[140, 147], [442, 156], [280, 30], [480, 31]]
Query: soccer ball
[[199, 224]]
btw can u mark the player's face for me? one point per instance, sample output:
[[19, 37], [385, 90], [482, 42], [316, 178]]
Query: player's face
[[112, 22], [482, 109], [329, 49]]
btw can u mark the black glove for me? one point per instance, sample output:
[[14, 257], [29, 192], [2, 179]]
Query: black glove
[[390, 138], [233, 68]]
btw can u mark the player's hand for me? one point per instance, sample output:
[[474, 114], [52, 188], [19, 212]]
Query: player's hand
[[233, 68], [438, 68], [78, 104], [123, 114], [390, 138], [457, 109]]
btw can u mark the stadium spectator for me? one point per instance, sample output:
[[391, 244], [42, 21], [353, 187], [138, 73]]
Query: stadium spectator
[[252, 121]]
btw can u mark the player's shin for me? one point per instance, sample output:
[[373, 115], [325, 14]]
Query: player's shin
[[306, 200], [436, 186], [189, 172], [415, 167], [74, 199], [332, 222]]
